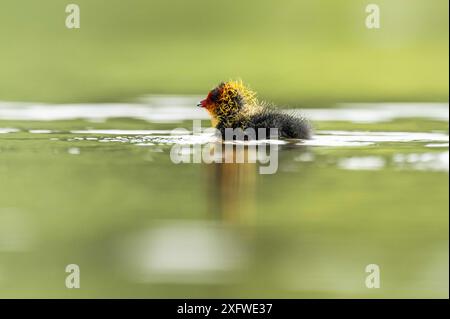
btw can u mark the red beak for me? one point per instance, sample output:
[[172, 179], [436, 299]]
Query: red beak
[[202, 103]]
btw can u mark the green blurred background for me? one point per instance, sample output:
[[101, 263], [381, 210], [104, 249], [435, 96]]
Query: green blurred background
[[307, 231], [293, 52]]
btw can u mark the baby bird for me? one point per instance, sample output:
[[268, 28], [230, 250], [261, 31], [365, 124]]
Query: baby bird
[[233, 105]]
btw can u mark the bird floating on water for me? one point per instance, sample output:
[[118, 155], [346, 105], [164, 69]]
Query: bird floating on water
[[233, 105]]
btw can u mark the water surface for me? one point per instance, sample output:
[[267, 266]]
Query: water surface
[[94, 185]]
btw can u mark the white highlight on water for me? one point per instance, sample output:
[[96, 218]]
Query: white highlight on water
[[160, 108], [74, 151], [356, 138], [182, 252], [6, 130], [362, 163]]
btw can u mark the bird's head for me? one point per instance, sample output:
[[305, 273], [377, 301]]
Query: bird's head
[[228, 99]]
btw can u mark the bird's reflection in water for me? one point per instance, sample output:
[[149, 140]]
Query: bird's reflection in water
[[232, 186]]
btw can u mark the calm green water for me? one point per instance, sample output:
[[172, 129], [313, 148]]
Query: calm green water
[[95, 186]]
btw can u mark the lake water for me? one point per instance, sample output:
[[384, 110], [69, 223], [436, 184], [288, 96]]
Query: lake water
[[95, 185]]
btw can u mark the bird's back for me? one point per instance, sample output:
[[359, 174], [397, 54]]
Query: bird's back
[[288, 125]]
